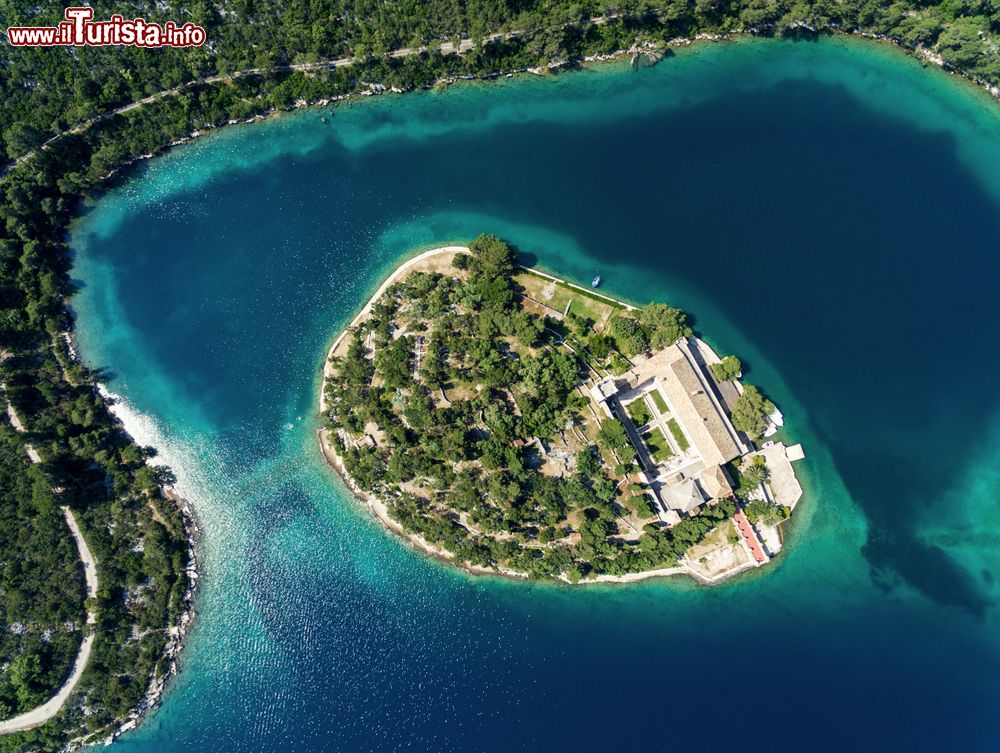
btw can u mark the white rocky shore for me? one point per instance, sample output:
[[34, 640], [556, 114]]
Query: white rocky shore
[[176, 633]]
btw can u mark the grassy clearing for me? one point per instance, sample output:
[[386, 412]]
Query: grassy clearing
[[617, 365], [661, 404], [558, 295], [679, 437], [717, 539], [658, 446], [639, 412]]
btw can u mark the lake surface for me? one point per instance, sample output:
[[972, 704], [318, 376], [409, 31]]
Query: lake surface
[[827, 211]]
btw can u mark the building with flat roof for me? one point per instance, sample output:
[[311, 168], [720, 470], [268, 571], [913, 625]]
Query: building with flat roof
[[604, 390]]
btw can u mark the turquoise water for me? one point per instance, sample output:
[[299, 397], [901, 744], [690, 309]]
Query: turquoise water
[[828, 211]]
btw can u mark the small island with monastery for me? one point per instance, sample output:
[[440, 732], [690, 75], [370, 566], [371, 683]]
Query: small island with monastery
[[513, 423]]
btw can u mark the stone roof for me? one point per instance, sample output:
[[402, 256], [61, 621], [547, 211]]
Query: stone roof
[[684, 497], [713, 480], [692, 403], [676, 372], [604, 389]]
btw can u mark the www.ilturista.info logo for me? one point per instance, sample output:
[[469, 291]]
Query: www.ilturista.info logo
[[78, 30]]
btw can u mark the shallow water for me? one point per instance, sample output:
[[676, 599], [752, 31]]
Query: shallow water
[[827, 211]]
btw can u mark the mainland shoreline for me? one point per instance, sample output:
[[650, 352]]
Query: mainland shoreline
[[921, 55], [176, 633]]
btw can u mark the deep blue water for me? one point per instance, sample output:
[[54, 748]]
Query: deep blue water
[[827, 211]]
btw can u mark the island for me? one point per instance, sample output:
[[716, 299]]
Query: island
[[73, 123], [513, 423]]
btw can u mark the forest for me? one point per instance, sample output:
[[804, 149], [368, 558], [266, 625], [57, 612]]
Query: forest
[[88, 463], [46, 91], [138, 535], [42, 611], [484, 448]]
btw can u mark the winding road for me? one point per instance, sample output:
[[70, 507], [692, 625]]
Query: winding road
[[41, 714], [49, 709], [447, 48]]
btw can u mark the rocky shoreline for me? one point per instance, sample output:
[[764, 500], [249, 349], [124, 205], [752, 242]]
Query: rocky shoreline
[[177, 633], [652, 51], [379, 509], [380, 513], [419, 544], [372, 90]]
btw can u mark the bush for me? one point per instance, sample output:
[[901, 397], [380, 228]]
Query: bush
[[765, 512], [751, 411], [726, 370], [630, 337]]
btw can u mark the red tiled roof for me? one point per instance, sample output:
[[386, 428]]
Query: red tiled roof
[[746, 530]]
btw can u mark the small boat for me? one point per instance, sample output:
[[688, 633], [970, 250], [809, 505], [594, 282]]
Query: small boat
[[595, 282]]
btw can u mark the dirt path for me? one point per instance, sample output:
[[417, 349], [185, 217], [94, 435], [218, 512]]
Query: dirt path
[[41, 714], [403, 269], [447, 48]]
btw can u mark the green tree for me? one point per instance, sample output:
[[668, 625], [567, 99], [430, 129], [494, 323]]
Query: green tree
[[395, 362], [22, 138], [750, 476], [599, 345], [588, 461], [629, 335], [24, 672], [665, 324], [751, 411], [492, 256], [727, 369]]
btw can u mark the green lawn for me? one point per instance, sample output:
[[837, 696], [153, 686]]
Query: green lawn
[[639, 413], [679, 437], [556, 295], [658, 446], [661, 404]]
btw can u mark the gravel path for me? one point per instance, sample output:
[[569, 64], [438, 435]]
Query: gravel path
[[41, 714]]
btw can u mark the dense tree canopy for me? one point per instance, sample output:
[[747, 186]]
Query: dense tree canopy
[[750, 412], [41, 585], [458, 455], [665, 324], [630, 336], [104, 476]]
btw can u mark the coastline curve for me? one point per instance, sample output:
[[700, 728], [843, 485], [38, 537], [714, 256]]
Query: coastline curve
[[380, 510]]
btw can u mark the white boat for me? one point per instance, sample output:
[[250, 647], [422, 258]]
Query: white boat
[[595, 282]]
